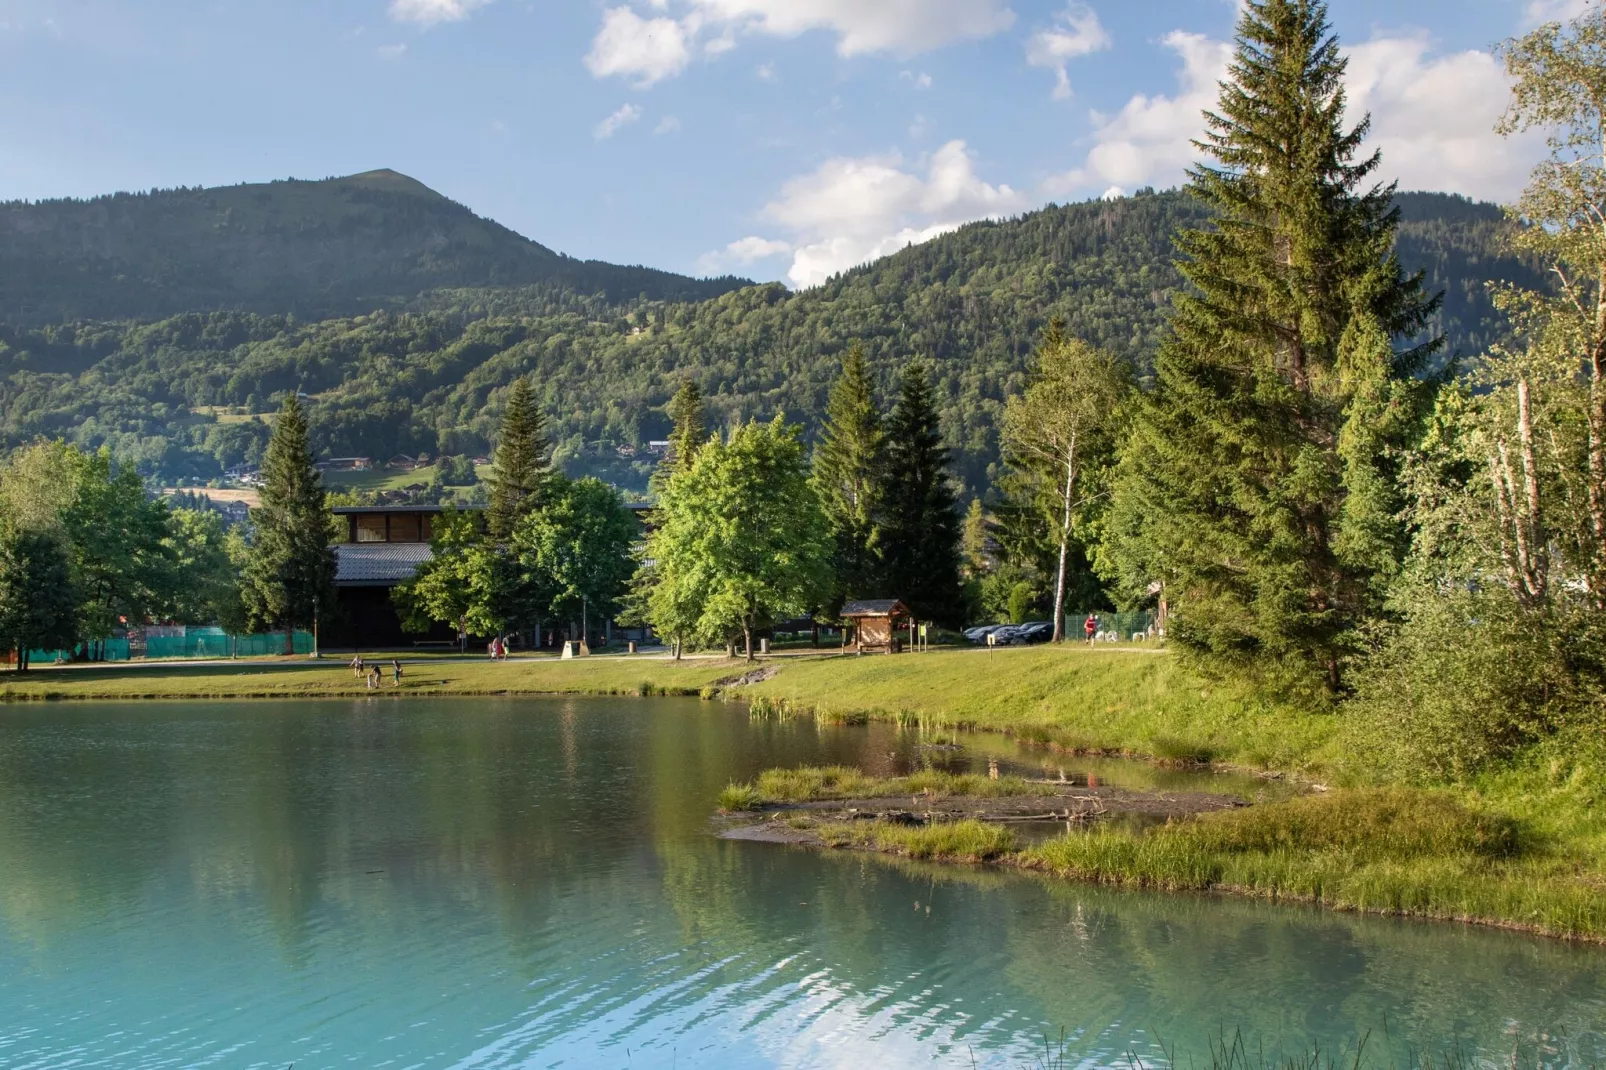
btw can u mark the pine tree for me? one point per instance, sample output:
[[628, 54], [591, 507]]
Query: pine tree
[[847, 476], [290, 578], [1259, 454], [521, 469], [686, 410], [919, 523]]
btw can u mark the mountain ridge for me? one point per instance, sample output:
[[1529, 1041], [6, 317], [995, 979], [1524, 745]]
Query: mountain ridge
[[310, 247], [430, 374]]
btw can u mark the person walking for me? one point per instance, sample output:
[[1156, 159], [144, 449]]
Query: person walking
[[1091, 627], [395, 671], [356, 666]]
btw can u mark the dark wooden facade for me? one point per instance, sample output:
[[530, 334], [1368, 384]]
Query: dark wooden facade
[[875, 625]]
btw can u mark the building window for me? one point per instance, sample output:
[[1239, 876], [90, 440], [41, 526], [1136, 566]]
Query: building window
[[404, 527], [371, 528]]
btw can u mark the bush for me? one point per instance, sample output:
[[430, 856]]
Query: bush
[[1469, 678]]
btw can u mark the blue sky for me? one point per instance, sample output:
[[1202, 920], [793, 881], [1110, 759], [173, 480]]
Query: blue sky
[[777, 139]]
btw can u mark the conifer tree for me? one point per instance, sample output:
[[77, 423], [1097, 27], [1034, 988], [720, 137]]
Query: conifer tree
[[847, 476], [1261, 456], [919, 525], [290, 578], [521, 469], [686, 410]]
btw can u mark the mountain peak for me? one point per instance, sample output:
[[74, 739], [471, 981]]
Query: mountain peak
[[391, 181]]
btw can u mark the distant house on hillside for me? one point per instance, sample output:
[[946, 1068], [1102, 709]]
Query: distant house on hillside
[[402, 463], [345, 464], [658, 446]]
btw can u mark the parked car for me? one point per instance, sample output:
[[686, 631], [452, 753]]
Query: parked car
[[1008, 635], [1036, 632], [979, 633]]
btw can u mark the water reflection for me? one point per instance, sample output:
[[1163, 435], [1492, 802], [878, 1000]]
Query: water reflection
[[517, 882]]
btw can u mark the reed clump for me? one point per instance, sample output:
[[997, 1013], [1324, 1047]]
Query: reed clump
[[739, 797], [949, 841], [816, 783]]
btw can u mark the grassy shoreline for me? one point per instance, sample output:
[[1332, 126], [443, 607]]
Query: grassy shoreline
[[1549, 876]]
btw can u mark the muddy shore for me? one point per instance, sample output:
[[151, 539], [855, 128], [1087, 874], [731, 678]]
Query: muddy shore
[[1045, 809]]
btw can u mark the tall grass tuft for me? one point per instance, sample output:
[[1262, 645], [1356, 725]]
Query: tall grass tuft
[[739, 797], [953, 841], [810, 783]]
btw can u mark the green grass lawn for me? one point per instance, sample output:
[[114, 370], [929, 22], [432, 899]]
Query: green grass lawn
[[1121, 700], [377, 479], [274, 678]]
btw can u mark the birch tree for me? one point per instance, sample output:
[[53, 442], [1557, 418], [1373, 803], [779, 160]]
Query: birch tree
[[1060, 434]]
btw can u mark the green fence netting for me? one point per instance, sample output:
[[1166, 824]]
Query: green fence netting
[[194, 643], [213, 643]]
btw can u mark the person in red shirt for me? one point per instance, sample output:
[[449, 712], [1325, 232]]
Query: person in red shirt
[[1091, 627]]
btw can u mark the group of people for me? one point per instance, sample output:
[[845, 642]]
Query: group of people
[[498, 649], [375, 675]]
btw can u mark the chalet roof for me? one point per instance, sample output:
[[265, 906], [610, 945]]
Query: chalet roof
[[378, 564], [349, 510], [874, 607]]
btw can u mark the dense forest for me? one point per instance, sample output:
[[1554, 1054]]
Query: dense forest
[[428, 372], [313, 249]]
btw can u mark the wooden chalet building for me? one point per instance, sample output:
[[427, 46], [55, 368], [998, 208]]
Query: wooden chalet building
[[383, 548]]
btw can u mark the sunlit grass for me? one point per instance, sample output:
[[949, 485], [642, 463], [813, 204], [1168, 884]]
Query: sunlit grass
[[813, 783], [953, 841]]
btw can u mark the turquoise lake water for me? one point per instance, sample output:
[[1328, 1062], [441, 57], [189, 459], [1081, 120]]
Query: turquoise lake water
[[518, 882]]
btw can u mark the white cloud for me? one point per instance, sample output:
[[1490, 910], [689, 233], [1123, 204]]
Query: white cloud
[[853, 209], [656, 48], [644, 49], [1149, 141], [667, 125], [863, 26], [626, 115], [391, 51], [430, 12], [1434, 118], [741, 252], [919, 81], [1076, 32], [766, 72], [1539, 11]]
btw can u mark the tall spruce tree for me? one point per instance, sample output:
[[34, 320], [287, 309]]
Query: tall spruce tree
[[521, 469], [919, 524], [1262, 455], [290, 577], [686, 410], [847, 476]]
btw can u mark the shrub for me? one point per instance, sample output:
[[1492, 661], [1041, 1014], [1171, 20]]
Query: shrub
[[1469, 678]]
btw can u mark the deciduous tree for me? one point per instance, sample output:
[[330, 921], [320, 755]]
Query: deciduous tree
[[741, 539], [1059, 439]]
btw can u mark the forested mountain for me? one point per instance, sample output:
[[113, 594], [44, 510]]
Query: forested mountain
[[331, 247], [430, 376]]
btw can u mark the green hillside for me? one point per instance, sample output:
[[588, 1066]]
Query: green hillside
[[331, 247], [429, 376]]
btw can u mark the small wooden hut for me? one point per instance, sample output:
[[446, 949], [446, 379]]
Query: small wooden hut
[[875, 623]]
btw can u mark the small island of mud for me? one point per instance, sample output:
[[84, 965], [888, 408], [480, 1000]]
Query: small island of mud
[[843, 808]]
